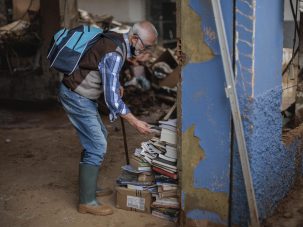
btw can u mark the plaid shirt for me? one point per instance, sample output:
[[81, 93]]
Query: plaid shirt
[[110, 67]]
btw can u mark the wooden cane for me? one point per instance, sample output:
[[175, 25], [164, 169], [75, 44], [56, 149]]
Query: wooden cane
[[125, 142]]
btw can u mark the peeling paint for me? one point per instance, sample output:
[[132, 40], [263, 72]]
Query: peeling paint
[[197, 198], [193, 45], [204, 174]]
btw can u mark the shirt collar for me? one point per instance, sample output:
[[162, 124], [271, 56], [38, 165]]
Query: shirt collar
[[125, 36]]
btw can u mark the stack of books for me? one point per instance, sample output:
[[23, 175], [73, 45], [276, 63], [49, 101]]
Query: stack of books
[[161, 154], [166, 204], [153, 168], [140, 180]]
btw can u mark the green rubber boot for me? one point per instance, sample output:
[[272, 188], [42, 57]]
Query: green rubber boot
[[88, 181]]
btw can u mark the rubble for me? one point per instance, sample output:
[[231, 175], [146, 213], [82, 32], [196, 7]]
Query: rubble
[[149, 83], [152, 83], [19, 44], [146, 83], [106, 22]]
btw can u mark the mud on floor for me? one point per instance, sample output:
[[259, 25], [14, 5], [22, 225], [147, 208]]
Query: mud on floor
[[39, 172]]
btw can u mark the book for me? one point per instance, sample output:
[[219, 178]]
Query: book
[[131, 169], [155, 129], [164, 179], [147, 155], [171, 122], [150, 188], [157, 143], [147, 158], [170, 151], [139, 164], [166, 202], [135, 187], [169, 193], [124, 182], [165, 173], [168, 127], [165, 163], [139, 160], [150, 148], [163, 156], [166, 187], [170, 170], [159, 146], [164, 216], [168, 136], [168, 211], [144, 168]]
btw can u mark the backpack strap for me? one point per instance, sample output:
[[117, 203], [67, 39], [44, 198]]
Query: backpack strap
[[120, 44]]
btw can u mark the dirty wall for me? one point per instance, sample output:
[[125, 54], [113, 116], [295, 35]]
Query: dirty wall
[[207, 196], [25, 74], [258, 71], [205, 117], [128, 11]]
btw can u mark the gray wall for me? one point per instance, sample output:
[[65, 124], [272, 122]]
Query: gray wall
[[122, 10], [289, 26]]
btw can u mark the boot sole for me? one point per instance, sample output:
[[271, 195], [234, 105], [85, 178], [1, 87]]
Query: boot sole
[[85, 210]]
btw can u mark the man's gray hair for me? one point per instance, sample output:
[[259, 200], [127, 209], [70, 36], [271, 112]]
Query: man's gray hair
[[143, 29]]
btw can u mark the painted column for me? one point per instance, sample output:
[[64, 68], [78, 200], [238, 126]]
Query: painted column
[[205, 174], [259, 43]]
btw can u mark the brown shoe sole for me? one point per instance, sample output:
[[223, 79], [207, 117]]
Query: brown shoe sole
[[96, 210]]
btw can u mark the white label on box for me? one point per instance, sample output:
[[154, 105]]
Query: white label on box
[[135, 202]]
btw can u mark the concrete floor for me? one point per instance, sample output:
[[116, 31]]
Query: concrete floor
[[39, 172], [40, 152]]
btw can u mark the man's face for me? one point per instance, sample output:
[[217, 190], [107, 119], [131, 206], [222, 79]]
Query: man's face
[[142, 48]]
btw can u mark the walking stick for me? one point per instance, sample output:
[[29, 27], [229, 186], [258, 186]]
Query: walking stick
[[125, 143]]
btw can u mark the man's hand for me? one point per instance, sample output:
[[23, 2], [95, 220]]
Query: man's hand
[[141, 126]]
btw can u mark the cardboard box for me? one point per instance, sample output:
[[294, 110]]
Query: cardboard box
[[135, 200]]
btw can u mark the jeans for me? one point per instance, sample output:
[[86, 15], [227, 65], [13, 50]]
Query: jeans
[[83, 114]]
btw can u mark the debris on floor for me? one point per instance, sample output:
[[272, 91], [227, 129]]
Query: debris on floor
[[19, 44], [36, 143]]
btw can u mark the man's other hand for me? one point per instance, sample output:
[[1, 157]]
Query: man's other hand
[[141, 126]]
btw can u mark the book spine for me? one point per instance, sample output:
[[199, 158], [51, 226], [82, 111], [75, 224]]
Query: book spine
[[163, 172]]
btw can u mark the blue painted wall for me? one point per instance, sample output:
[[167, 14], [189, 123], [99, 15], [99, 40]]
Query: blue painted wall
[[204, 104], [259, 58], [258, 50]]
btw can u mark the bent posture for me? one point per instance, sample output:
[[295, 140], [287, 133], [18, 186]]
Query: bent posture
[[78, 93]]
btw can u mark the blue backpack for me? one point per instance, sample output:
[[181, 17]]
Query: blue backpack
[[69, 45]]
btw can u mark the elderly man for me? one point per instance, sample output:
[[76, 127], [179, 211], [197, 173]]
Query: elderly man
[[78, 93]]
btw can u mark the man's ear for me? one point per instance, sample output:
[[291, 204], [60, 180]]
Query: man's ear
[[134, 38]]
